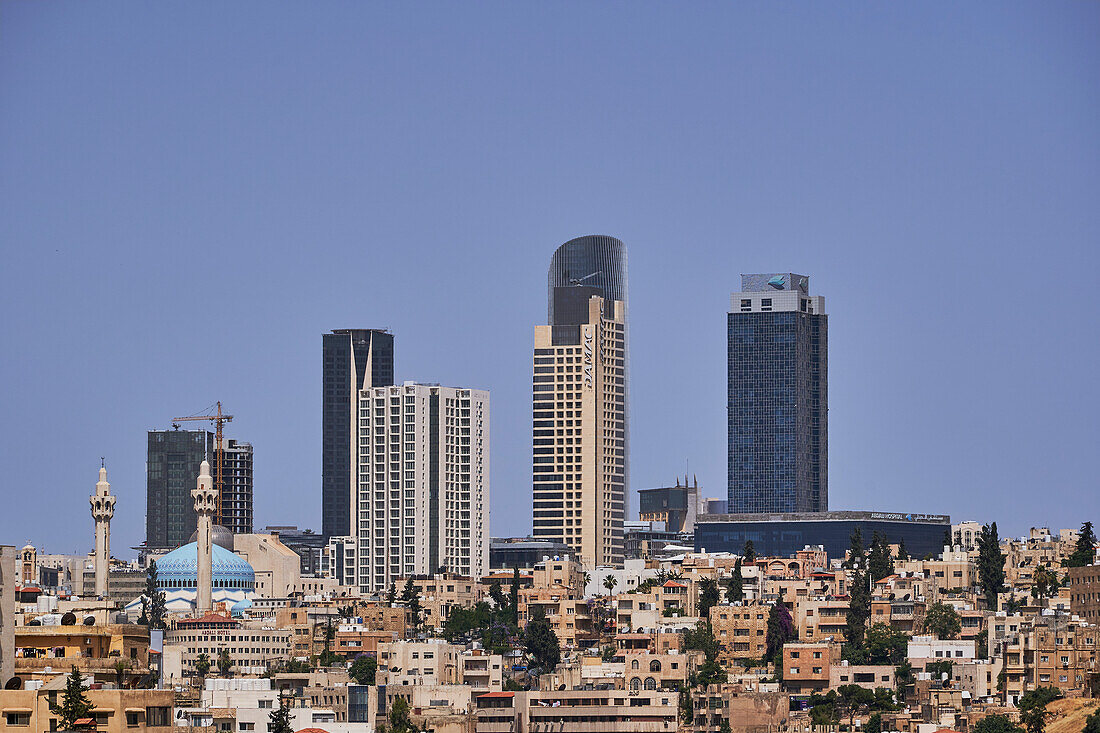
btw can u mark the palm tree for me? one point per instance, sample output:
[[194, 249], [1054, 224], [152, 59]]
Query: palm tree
[[609, 582], [587, 578]]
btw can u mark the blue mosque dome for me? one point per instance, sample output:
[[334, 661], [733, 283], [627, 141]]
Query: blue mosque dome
[[179, 570]]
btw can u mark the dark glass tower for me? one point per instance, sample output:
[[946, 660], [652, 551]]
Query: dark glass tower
[[778, 396], [353, 359], [596, 260], [171, 470]]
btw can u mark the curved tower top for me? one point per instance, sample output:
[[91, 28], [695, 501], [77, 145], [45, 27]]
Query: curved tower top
[[594, 260]]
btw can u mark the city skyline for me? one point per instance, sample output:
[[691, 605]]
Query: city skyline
[[912, 179]]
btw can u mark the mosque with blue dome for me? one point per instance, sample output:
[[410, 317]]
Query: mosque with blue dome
[[232, 577]]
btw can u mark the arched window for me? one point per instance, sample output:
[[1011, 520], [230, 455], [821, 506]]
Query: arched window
[[635, 684], [655, 666], [650, 683], [634, 664]]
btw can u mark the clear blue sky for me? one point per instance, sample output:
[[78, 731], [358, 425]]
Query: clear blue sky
[[192, 192]]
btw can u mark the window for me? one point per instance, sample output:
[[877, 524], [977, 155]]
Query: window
[[246, 726], [19, 719], [133, 719], [266, 704]]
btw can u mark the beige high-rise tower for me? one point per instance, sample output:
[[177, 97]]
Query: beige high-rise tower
[[579, 411], [206, 505], [103, 509]]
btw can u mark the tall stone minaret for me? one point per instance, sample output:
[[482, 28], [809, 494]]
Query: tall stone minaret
[[103, 508], [206, 504]]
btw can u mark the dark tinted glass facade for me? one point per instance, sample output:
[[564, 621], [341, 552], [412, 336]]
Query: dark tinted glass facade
[[353, 359], [778, 412], [595, 261], [784, 538], [171, 471]]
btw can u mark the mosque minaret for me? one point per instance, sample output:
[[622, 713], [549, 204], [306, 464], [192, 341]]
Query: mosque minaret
[[206, 504], [103, 508]]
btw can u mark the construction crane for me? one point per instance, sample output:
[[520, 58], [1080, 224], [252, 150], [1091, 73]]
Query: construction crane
[[219, 421]]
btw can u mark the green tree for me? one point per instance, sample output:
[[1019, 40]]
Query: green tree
[[940, 669], [724, 726], [400, 720], [410, 596], [202, 664], [540, 642], [513, 598], [749, 551], [279, 718], [75, 705], [882, 644], [121, 666], [1092, 723], [904, 677], [687, 705], [497, 594], [225, 664], [879, 562], [942, 620], [824, 709], [903, 554], [701, 638], [391, 595], [610, 582], [735, 590], [363, 669], [1085, 550], [780, 631], [996, 724], [859, 608], [1044, 582], [1033, 707], [155, 608], [991, 564], [856, 554], [874, 724], [709, 595], [851, 700]]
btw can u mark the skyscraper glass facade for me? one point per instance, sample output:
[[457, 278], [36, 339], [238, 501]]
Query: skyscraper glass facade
[[353, 359], [777, 397]]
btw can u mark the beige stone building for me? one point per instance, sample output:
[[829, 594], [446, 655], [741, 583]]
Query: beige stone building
[[741, 630], [1050, 651], [44, 652], [115, 711], [652, 671], [8, 581], [807, 667], [441, 592], [746, 710], [252, 648], [579, 389], [278, 568], [1084, 592], [578, 711]]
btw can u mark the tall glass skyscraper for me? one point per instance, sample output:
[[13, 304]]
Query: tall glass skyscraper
[[353, 359], [778, 396]]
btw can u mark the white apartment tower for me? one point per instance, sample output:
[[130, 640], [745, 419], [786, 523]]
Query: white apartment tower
[[579, 425], [422, 504]]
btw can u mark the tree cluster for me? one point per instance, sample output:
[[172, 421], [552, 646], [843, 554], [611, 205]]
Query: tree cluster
[[1085, 551], [991, 564], [849, 701]]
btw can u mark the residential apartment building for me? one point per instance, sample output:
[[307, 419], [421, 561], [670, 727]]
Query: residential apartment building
[[423, 493], [580, 451], [1084, 592], [777, 396], [1050, 651], [578, 711], [807, 666], [353, 359], [741, 630], [114, 711], [441, 592]]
